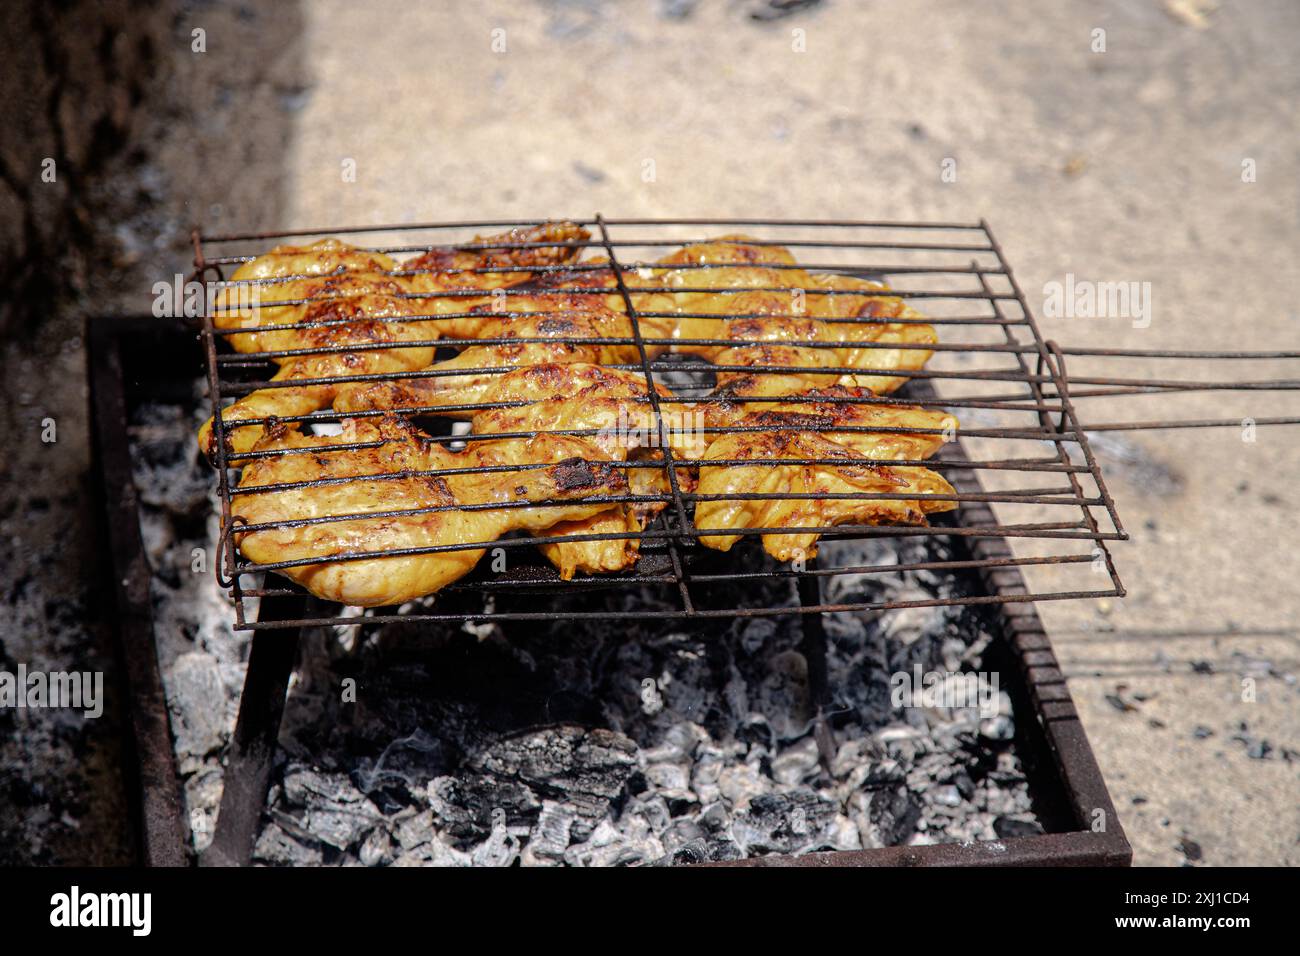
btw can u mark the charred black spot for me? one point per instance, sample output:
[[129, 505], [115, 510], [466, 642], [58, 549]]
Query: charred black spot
[[788, 420], [556, 326], [574, 474], [276, 429]]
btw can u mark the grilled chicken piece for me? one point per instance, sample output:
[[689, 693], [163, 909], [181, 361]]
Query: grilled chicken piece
[[807, 429], [621, 417], [534, 383], [535, 248], [273, 288], [821, 411], [556, 333], [816, 481], [530, 315], [449, 285], [384, 502], [349, 309], [355, 295], [617, 425], [613, 403], [723, 278], [730, 276], [627, 521], [596, 284]]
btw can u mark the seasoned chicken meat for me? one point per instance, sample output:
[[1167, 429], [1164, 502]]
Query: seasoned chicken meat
[[542, 338], [330, 295], [405, 494], [809, 429], [807, 496], [741, 293], [479, 265], [802, 359], [535, 383], [611, 405], [350, 316]]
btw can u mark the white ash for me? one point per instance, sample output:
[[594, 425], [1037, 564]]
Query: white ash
[[540, 745]]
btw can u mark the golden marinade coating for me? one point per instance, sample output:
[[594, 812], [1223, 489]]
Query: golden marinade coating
[[406, 493]]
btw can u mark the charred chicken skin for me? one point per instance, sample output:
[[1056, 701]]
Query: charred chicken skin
[[481, 266]]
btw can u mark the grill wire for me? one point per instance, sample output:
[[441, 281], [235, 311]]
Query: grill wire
[[967, 289]]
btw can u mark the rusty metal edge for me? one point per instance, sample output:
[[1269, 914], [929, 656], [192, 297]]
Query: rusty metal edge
[[1049, 849], [154, 788]]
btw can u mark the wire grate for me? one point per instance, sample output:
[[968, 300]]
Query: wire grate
[[1020, 429]]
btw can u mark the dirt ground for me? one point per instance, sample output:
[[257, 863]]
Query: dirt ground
[[1122, 165]]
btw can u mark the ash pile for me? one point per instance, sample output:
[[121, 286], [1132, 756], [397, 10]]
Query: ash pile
[[641, 742]]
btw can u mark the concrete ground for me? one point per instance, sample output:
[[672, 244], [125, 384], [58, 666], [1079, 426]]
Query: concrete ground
[[1122, 165]]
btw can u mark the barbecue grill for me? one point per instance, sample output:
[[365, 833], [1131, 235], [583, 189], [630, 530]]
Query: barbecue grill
[[1063, 513], [1021, 433]]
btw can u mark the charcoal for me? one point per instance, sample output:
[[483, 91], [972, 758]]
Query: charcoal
[[757, 732], [840, 834], [755, 633], [275, 847], [946, 796], [433, 853], [784, 689], [654, 811], [741, 784], [690, 853], [308, 787], [680, 743], [907, 625], [669, 778], [714, 818], [338, 828], [588, 768], [414, 829], [376, 849], [1010, 827], [607, 846], [1001, 727], [784, 822], [891, 818], [681, 833], [797, 763], [551, 834], [705, 773], [463, 806], [500, 849], [722, 851]]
